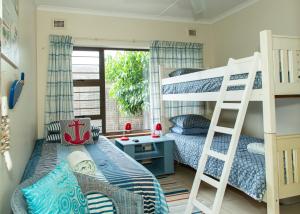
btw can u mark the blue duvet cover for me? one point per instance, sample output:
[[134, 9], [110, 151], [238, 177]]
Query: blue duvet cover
[[113, 166], [248, 169], [207, 85]]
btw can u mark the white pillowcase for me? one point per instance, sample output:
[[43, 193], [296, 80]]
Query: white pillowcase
[[256, 148]]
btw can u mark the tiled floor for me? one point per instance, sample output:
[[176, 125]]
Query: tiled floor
[[235, 202]]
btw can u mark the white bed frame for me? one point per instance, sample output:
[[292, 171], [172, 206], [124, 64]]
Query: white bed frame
[[281, 78]]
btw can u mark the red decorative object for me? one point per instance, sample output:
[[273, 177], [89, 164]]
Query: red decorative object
[[127, 127], [77, 140], [157, 130]]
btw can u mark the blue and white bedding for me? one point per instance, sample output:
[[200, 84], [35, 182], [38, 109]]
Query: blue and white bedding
[[207, 85], [248, 169], [113, 166]]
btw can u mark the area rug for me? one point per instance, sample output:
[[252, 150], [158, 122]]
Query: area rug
[[176, 194]]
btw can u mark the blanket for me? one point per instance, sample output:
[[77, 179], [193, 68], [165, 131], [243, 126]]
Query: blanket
[[112, 166]]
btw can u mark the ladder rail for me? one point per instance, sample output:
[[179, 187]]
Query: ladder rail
[[235, 135], [207, 145], [235, 139]]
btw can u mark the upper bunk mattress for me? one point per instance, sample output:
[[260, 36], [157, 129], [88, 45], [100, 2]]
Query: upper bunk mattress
[[248, 169], [113, 166], [208, 85]]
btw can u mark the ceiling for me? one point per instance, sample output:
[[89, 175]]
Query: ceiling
[[206, 11]]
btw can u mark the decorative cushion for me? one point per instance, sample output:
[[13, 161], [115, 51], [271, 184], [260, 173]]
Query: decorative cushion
[[53, 132], [57, 192], [191, 121], [54, 128], [182, 71], [76, 132], [100, 203], [190, 131], [55, 138]]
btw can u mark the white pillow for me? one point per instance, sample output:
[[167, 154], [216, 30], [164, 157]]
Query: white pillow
[[256, 148]]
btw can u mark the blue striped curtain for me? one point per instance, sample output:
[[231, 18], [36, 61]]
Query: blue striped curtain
[[173, 55], [59, 97]]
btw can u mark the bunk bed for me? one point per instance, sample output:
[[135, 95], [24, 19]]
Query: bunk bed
[[278, 77]]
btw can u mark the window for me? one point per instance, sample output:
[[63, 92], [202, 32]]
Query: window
[[88, 79], [99, 93]]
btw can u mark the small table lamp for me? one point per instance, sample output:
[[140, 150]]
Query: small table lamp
[[127, 127], [157, 130]]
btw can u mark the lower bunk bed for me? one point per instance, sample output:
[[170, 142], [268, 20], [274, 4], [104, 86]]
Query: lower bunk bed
[[248, 169], [113, 166]]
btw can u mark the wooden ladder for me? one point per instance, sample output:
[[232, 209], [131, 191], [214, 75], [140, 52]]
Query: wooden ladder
[[248, 65]]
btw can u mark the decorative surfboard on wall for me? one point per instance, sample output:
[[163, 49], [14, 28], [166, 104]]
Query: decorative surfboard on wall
[[15, 91]]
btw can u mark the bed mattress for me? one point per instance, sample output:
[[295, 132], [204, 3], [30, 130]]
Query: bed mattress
[[207, 85], [248, 169], [113, 166]]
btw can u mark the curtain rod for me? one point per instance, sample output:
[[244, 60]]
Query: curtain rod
[[111, 40]]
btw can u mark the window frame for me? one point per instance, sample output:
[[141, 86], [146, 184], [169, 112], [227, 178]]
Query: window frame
[[101, 83]]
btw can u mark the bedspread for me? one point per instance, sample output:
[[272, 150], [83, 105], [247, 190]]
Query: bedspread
[[248, 169], [113, 166]]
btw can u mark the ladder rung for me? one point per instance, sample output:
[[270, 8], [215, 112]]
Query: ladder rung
[[202, 207], [210, 181], [231, 106], [237, 82], [223, 130], [218, 155]]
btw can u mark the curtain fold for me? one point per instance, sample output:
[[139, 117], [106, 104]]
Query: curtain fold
[[59, 97], [173, 55]]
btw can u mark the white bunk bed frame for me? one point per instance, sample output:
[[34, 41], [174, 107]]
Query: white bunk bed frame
[[280, 56]]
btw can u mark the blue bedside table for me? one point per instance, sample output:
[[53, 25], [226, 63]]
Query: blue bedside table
[[156, 154]]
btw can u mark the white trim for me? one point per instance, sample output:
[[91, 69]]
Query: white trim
[[212, 96], [49, 8]]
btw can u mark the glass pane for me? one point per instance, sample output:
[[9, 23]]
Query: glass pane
[[85, 65], [86, 101], [85, 53], [85, 60], [82, 72], [126, 91]]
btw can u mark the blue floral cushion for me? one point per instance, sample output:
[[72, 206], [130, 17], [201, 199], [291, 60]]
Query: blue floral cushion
[[190, 121], [190, 131], [58, 192]]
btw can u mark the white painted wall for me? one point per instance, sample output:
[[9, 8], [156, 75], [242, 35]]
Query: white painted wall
[[238, 36], [23, 117], [109, 31]]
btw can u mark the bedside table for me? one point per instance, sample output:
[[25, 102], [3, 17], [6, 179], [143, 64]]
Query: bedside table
[[156, 154]]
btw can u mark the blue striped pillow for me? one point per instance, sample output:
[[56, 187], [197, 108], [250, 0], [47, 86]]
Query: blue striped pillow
[[100, 203], [190, 121]]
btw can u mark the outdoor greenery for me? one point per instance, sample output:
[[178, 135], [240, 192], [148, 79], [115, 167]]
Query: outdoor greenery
[[126, 73]]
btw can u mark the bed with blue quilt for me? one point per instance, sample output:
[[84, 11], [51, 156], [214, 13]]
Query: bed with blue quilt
[[113, 166], [207, 85], [248, 169]]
